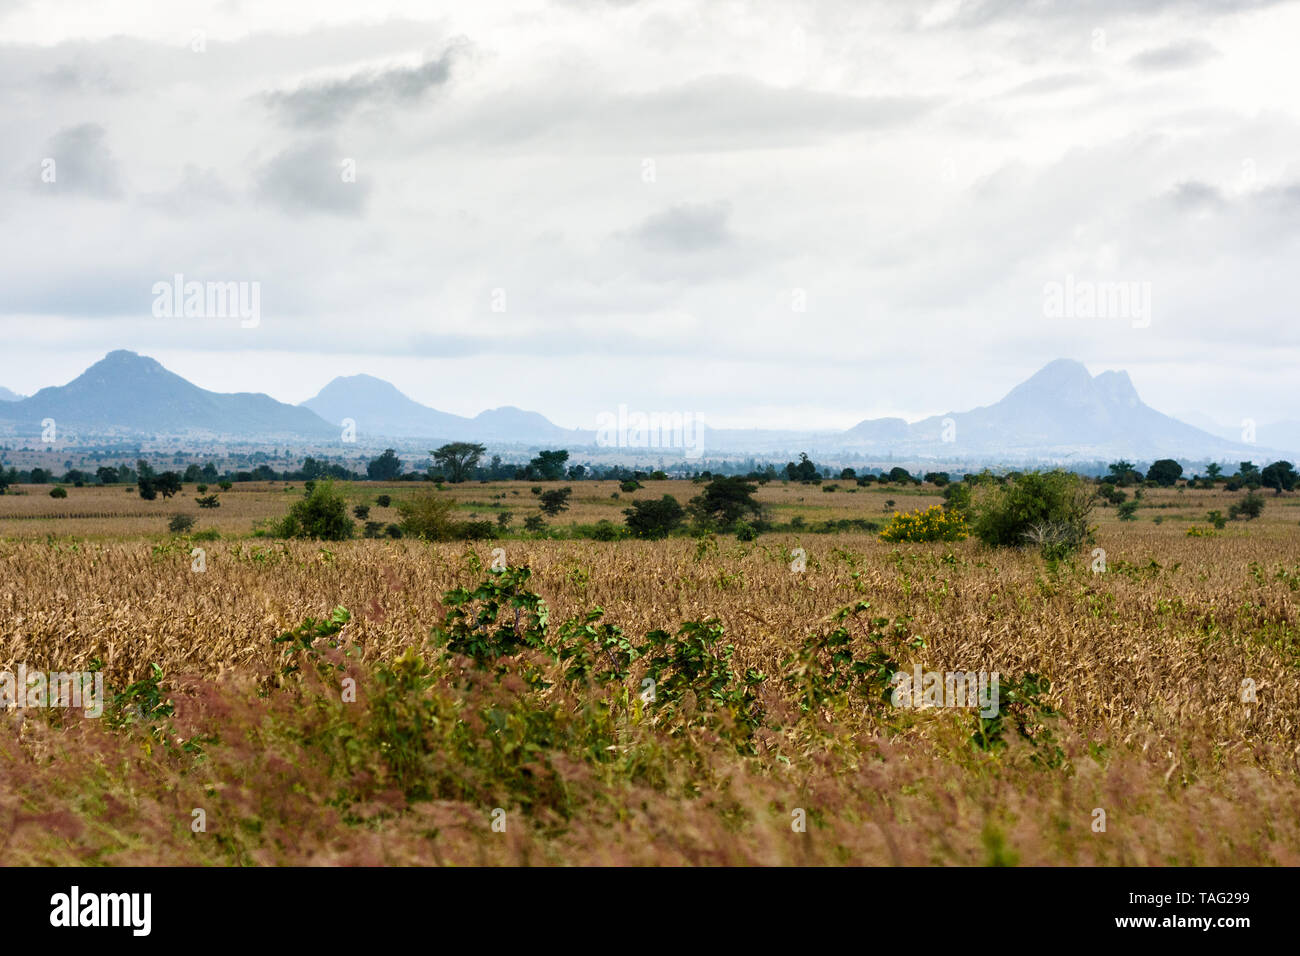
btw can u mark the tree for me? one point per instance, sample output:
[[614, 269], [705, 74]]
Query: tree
[[805, 470], [145, 480], [1251, 506], [1034, 503], [556, 500], [724, 501], [549, 465], [167, 484], [1213, 470], [1124, 473], [386, 467], [322, 514], [193, 474], [106, 475], [208, 501], [1280, 476], [457, 459], [899, 475], [654, 519], [1165, 472]]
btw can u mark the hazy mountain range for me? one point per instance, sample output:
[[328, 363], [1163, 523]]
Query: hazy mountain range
[[1061, 413]]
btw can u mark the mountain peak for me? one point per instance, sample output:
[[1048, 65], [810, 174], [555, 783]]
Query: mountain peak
[[1118, 388]]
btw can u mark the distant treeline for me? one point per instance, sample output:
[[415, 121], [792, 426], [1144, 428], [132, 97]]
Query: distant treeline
[[458, 462]]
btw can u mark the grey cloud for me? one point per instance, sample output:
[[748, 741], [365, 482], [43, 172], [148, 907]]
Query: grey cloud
[[1054, 83], [324, 104], [720, 112], [196, 186], [1196, 197], [83, 164], [687, 227], [308, 177], [982, 12], [1174, 56]]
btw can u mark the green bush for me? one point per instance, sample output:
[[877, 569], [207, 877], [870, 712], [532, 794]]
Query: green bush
[[58, 492], [1033, 507], [322, 514], [655, 519]]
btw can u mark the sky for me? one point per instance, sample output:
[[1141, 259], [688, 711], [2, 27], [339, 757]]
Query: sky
[[777, 214]]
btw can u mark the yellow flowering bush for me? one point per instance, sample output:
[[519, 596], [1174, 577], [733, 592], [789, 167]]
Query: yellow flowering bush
[[932, 524]]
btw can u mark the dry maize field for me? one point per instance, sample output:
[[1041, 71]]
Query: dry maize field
[[1150, 711]]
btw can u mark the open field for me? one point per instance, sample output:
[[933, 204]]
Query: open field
[[1144, 719]]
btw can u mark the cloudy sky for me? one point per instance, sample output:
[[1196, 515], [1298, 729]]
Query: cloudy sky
[[768, 213]]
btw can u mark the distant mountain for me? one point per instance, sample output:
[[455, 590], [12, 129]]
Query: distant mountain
[[379, 409], [8, 396], [126, 393], [1060, 412], [1284, 435]]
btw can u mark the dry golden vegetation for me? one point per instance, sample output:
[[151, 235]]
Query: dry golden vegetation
[[1144, 719]]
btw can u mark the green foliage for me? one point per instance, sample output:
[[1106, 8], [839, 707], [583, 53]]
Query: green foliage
[[548, 465], [1022, 707], [321, 515], [825, 669], [58, 491], [1249, 507], [1008, 515], [1165, 472], [180, 524], [457, 460], [387, 467], [724, 501], [693, 677], [654, 519], [494, 619], [555, 501]]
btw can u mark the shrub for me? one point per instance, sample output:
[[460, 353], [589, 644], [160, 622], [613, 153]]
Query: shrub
[[606, 530], [535, 523], [655, 519], [180, 524], [428, 515], [1007, 515], [58, 492], [208, 501], [745, 531], [322, 515], [361, 512], [555, 500], [629, 486], [383, 501], [725, 501], [1249, 507], [1128, 511], [932, 524]]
